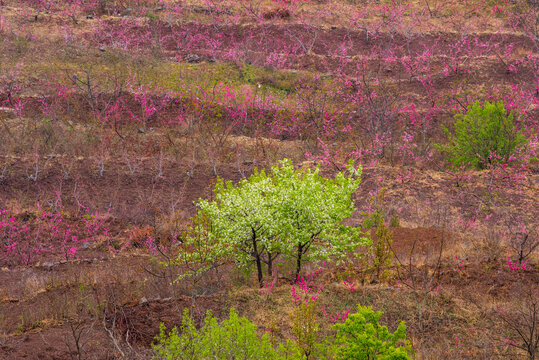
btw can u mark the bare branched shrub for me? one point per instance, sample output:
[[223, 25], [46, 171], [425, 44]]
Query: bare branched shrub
[[522, 236], [421, 279], [76, 338], [522, 323]]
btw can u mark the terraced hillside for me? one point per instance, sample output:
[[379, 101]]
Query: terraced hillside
[[116, 116]]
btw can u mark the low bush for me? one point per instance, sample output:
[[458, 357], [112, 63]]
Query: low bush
[[484, 135], [233, 338], [360, 337]]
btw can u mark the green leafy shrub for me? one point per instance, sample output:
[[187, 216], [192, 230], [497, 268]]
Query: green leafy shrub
[[362, 338], [484, 135], [233, 338]]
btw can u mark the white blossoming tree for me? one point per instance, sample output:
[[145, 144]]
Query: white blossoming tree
[[295, 214], [311, 209]]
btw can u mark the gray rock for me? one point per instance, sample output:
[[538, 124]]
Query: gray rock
[[47, 266], [193, 58]]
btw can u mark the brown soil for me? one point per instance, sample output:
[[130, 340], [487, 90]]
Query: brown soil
[[119, 299]]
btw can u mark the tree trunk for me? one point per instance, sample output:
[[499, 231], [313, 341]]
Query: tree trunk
[[298, 260], [259, 269], [257, 259]]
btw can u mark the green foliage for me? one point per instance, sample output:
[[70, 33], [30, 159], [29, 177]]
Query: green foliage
[[243, 222], [279, 80], [305, 328], [483, 135], [381, 255], [381, 248], [362, 338], [152, 16], [199, 251], [295, 214], [394, 222], [233, 338], [310, 211]]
